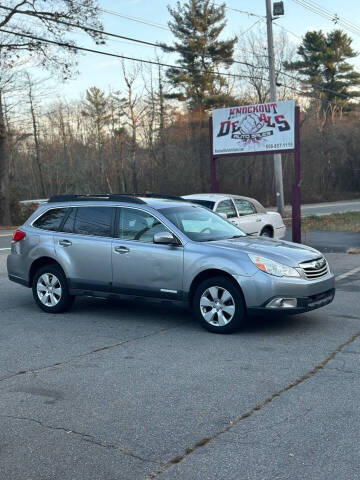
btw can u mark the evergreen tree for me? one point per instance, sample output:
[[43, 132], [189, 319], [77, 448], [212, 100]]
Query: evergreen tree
[[324, 69], [197, 25]]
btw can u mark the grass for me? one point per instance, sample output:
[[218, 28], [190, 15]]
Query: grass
[[342, 222]]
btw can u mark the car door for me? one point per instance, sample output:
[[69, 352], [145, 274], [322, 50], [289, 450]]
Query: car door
[[249, 220], [83, 246], [227, 209], [140, 266]]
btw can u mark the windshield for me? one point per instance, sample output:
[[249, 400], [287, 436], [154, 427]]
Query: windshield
[[200, 224]]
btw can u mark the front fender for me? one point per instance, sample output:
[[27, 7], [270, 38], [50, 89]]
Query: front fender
[[196, 261]]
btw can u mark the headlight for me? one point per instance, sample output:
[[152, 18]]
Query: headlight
[[273, 268]]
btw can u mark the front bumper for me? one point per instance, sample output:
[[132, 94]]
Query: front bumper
[[304, 304], [260, 289]]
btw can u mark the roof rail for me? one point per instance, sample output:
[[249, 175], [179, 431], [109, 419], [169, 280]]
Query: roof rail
[[126, 198]]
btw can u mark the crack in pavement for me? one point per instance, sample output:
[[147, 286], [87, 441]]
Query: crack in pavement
[[81, 355], [204, 441], [84, 436], [336, 315]]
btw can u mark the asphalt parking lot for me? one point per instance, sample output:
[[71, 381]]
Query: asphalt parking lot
[[136, 390]]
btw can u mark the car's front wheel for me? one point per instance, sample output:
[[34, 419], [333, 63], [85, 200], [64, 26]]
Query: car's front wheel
[[50, 289], [219, 305]]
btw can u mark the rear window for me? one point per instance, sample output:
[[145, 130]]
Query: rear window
[[51, 220], [203, 203], [93, 221]]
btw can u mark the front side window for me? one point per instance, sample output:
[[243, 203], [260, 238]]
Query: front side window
[[226, 207], [200, 224], [139, 225], [94, 221], [244, 207], [51, 219]]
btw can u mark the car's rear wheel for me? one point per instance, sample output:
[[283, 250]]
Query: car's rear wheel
[[219, 305], [50, 289], [266, 232]]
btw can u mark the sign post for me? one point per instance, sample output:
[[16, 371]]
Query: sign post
[[266, 128], [213, 180], [296, 200]]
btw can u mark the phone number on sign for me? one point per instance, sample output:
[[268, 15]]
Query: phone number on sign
[[276, 146]]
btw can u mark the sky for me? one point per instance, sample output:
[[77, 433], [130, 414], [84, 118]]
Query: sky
[[105, 72]]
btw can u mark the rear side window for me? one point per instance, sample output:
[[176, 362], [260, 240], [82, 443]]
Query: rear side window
[[68, 226], [244, 207], [93, 221], [51, 219]]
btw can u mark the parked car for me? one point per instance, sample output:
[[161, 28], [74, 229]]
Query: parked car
[[157, 247], [246, 213]]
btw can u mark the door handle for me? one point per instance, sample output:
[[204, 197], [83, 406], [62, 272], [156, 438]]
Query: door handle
[[65, 243], [258, 219], [121, 249]]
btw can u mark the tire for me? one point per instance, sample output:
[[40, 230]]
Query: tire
[[266, 232], [50, 289], [205, 299]]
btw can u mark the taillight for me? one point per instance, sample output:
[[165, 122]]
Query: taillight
[[18, 235]]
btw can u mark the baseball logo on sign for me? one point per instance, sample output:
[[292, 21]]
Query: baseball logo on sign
[[250, 124], [254, 128]]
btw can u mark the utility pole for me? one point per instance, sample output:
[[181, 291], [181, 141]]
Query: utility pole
[[277, 157]]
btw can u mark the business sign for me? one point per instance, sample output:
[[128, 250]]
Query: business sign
[[265, 127]]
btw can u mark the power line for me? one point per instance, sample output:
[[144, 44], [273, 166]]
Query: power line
[[100, 52], [163, 27], [245, 12], [160, 63], [287, 30], [163, 46], [333, 17], [143, 42], [156, 45], [251, 26]]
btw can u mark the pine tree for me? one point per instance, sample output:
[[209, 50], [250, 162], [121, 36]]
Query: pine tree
[[197, 25], [325, 72]]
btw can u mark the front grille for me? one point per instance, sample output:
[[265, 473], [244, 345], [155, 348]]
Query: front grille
[[315, 269]]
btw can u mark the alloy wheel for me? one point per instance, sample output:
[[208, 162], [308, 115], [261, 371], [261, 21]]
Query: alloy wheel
[[217, 306], [49, 289]]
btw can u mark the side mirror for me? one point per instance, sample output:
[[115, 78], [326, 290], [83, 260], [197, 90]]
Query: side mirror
[[223, 215], [166, 238]]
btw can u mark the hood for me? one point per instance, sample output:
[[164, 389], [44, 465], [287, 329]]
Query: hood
[[288, 253]]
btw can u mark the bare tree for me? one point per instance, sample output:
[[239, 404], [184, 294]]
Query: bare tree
[[15, 41], [133, 111], [5, 217], [253, 54], [37, 156]]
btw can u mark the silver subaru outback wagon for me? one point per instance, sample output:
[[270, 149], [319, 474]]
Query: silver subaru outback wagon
[[163, 248]]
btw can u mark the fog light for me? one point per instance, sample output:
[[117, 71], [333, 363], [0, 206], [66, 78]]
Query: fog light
[[282, 303]]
